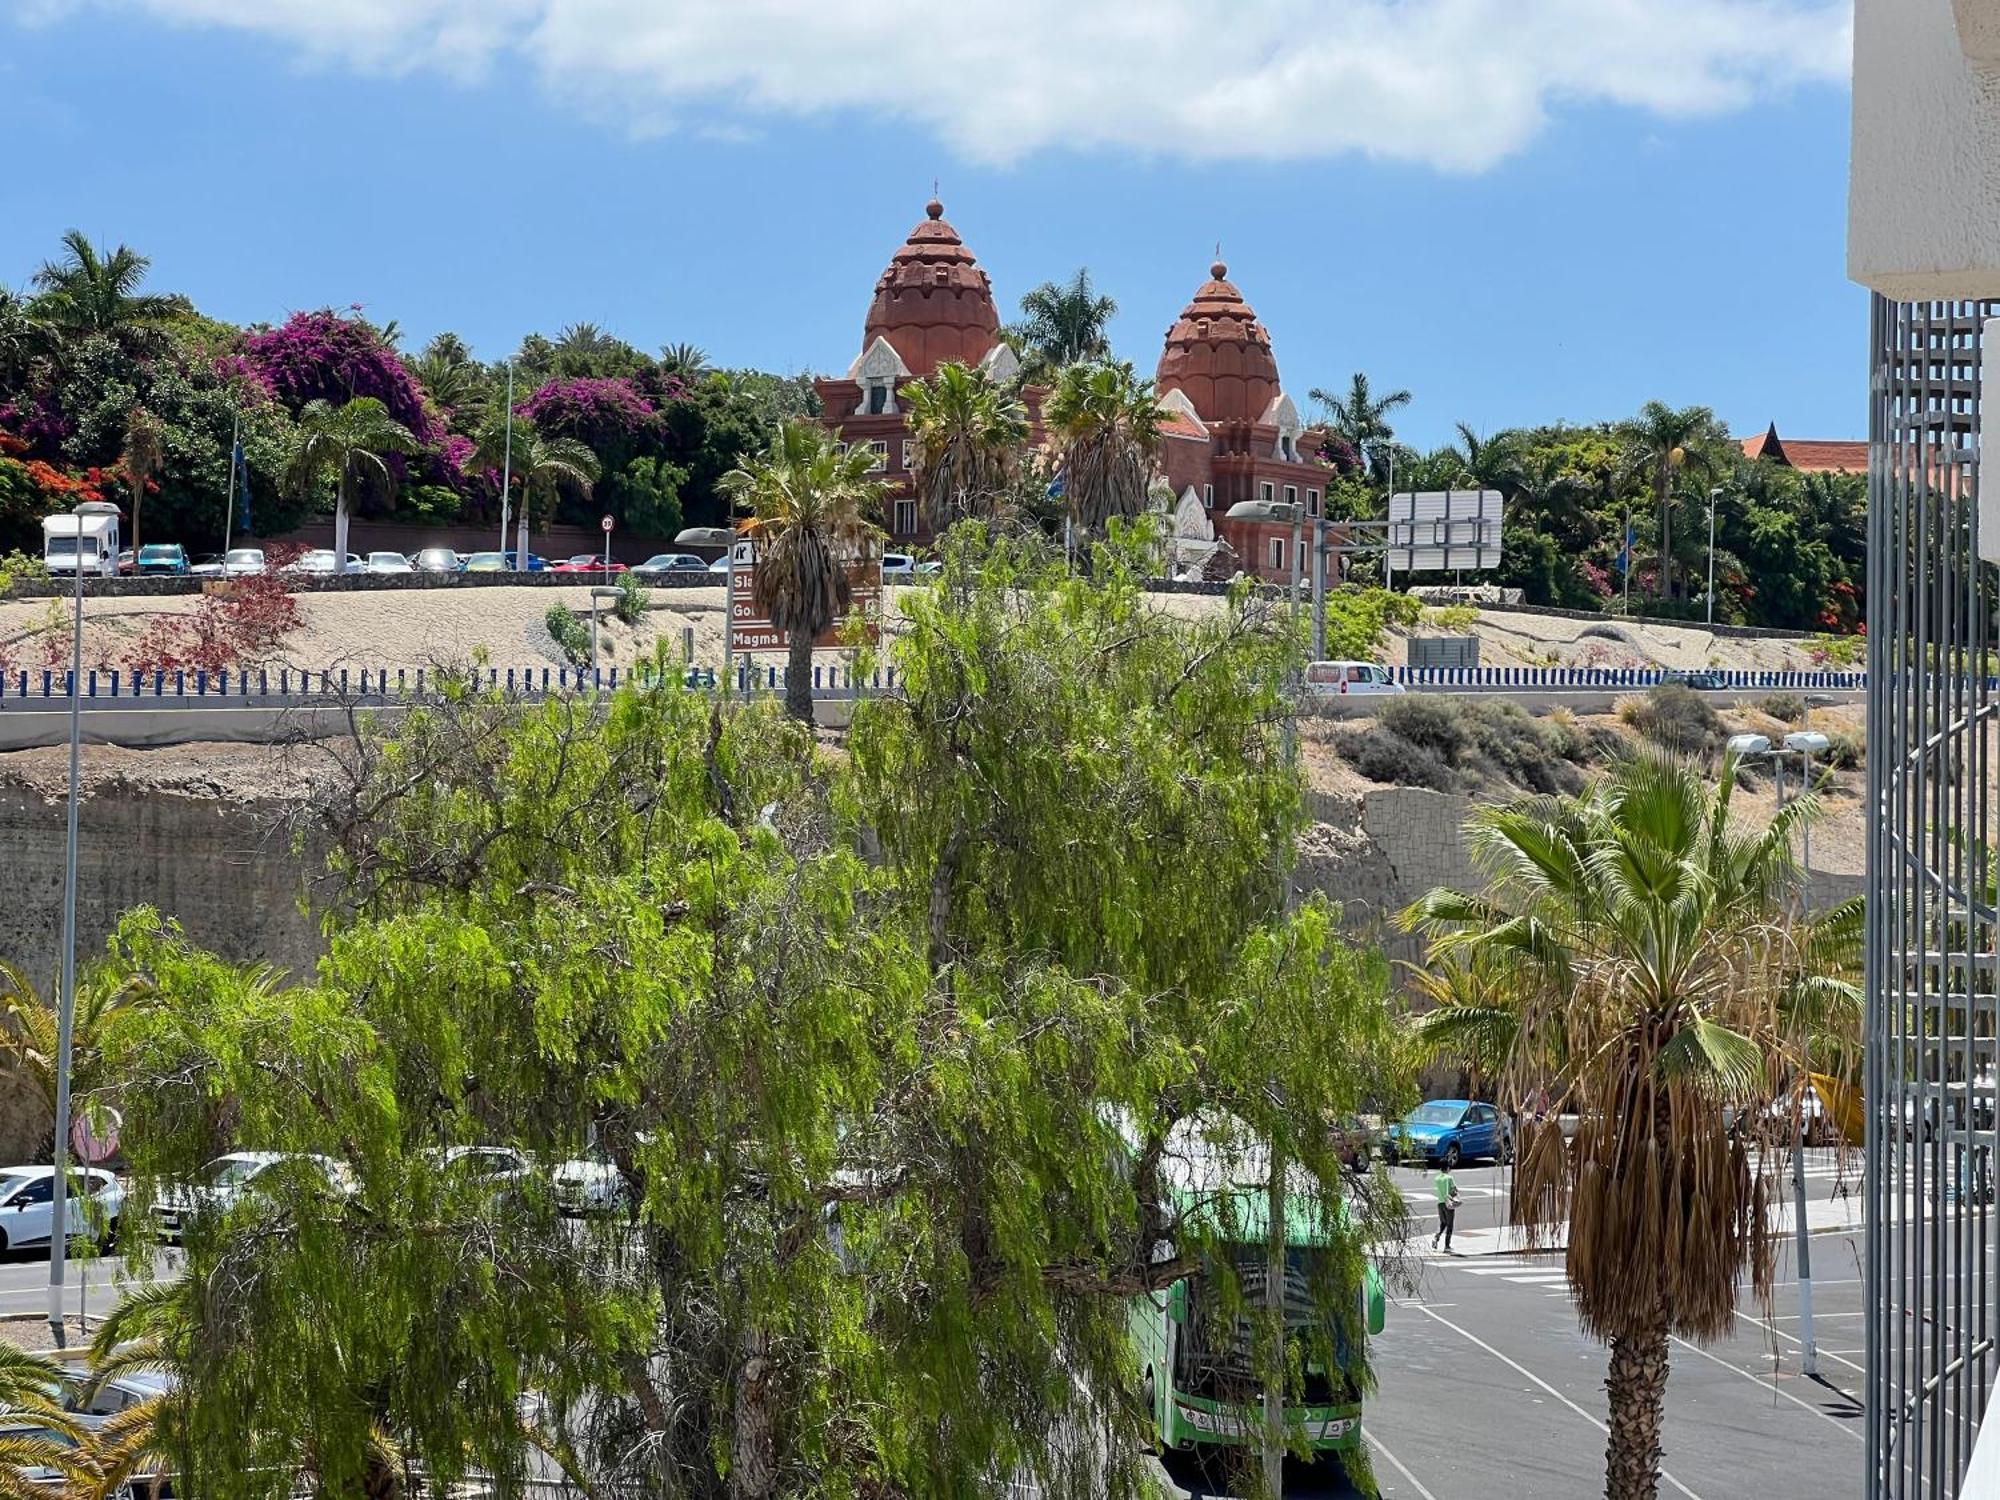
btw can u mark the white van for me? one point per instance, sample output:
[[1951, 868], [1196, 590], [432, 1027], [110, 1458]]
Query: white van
[[95, 538], [1350, 677]]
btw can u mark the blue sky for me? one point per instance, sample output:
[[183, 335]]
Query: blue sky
[[1511, 238]]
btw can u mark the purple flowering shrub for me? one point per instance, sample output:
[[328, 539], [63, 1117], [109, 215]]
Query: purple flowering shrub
[[322, 356], [609, 416]]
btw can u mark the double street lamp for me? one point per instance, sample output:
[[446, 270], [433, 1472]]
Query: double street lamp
[[66, 1003]]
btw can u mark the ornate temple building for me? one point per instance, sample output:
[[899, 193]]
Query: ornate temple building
[[1229, 433]]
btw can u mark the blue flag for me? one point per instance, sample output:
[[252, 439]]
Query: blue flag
[[242, 471], [1625, 557]]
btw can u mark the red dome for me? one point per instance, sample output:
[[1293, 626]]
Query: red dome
[[1220, 355], [933, 304]]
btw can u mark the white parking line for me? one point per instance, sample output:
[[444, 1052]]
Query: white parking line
[[1853, 1430], [1771, 1327], [1522, 1369], [1397, 1464]]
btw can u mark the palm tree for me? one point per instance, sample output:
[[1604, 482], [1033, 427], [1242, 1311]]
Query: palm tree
[[1488, 462], [447, 374], [340, 440], [1642, 972], [144, 456], [1063, 323], [1361, 417], [969, 435], [28, 1025], [811, 507], [538, 465], [36, 1434], [88, 291], [1104, 429], [686, 362], [1661, 442]]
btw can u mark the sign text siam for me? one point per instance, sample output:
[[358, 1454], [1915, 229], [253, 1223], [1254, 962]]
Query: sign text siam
[[752, 630]]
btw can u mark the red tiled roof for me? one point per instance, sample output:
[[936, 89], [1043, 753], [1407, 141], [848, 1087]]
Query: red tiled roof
[[1809, 455], [1179, 424]]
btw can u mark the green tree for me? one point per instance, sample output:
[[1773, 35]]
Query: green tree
[[28, 1026], [969, 435], [887, 1124], [1062, 324], [341, 441], [540, 468], [91, 291], [143, 457], [1104, 432], [685, 362], [812, 509], [1362, 417], [1663, 443], [1642, 971]]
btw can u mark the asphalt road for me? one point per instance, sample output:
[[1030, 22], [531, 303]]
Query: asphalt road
[[87, 1284]]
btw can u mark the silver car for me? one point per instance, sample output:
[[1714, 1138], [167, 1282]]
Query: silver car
[[241, 562], [383, 564]]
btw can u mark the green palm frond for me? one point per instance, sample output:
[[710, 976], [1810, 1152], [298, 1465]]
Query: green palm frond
[[1710, 1056]]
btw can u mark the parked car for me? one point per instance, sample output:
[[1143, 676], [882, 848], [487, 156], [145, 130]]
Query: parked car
[[496, 1169], [27, 1205], [208, 565], [437, 560], [40, 1476], [242, 562], [126, 562], [1450, 1131], [387, 564], [720, 567], [670, 564], [486, 562], [588, 1185], [1334, 678], [1355, 1142], [227, 1180], [93, 1402], [536, 562], [899, 566], [320, 561], [162, 557], [588, 562], [1702, 681]]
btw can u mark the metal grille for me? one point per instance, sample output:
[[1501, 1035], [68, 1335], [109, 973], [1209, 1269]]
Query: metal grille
[[1931, 951]]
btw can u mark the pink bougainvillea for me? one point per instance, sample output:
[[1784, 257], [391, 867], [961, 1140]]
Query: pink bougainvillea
[[323, 356]]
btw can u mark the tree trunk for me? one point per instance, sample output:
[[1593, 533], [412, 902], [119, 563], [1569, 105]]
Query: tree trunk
[[138, 499], [340, 525], [798, 677], [753, 1440], [1636, 1392]]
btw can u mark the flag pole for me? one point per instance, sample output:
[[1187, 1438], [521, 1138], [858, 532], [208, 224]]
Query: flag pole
[[235, 451], [507, 468]]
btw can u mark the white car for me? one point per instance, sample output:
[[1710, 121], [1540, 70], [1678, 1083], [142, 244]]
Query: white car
[[1349, 677], [225, 1182], [320, 561], [495, 1168], [898, 565], [384, 564], [242, 562], [27, 1205], [588, 1185], [720, 567]]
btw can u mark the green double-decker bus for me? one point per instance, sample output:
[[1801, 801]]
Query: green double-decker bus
[[1194, 1349]]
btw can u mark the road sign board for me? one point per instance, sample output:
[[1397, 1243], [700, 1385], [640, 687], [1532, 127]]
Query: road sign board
[[93, 1134], [606, 523], [751, 630], [1444, 529]]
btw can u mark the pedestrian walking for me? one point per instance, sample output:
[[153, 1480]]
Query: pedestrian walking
[[1447, 1198]]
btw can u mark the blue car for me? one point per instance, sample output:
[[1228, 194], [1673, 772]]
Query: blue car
[[1450, 1131], [535, 564]]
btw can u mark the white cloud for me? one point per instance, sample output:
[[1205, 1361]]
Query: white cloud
[[1453, 84]]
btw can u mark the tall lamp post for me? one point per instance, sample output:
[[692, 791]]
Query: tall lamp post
[[1713, 496], [66, 1012]]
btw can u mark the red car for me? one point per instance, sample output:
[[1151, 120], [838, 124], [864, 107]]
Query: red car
[[587, 562]]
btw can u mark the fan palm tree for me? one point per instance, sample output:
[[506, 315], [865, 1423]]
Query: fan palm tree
[[89, 291], [1640, 969], [144, 456], [811, 509], [1663, 441], [37, 1436], [341, 441], [1063, 323], [1104, 430], [686, 362], [1361, 417], [538, 466], [28, 1025], [969, 435]]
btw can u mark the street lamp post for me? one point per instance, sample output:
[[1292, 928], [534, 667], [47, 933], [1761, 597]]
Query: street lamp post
[[66, 1003], [599, 597], [1713, 495]]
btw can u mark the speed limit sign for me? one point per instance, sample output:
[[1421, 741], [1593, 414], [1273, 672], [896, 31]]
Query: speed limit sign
[[606, 524]]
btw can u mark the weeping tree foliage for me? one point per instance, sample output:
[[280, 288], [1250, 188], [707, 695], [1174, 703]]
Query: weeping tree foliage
[[1104, 430], [970, 437], [1636, 962], [886, 1052]]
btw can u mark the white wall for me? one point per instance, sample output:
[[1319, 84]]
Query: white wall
[[1924, 193]]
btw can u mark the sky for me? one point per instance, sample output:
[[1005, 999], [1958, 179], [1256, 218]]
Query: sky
[[1519, 210]]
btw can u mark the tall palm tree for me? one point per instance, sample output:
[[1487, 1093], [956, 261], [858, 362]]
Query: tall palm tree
[[1104, 430], [539, 466], [1661, 442], [1488, 462], [1644, 974], [144, 455], [812, 508], [687, 362], [1361, 417], [343, 440], [969, 434], [90, 291], [1062, 323]]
